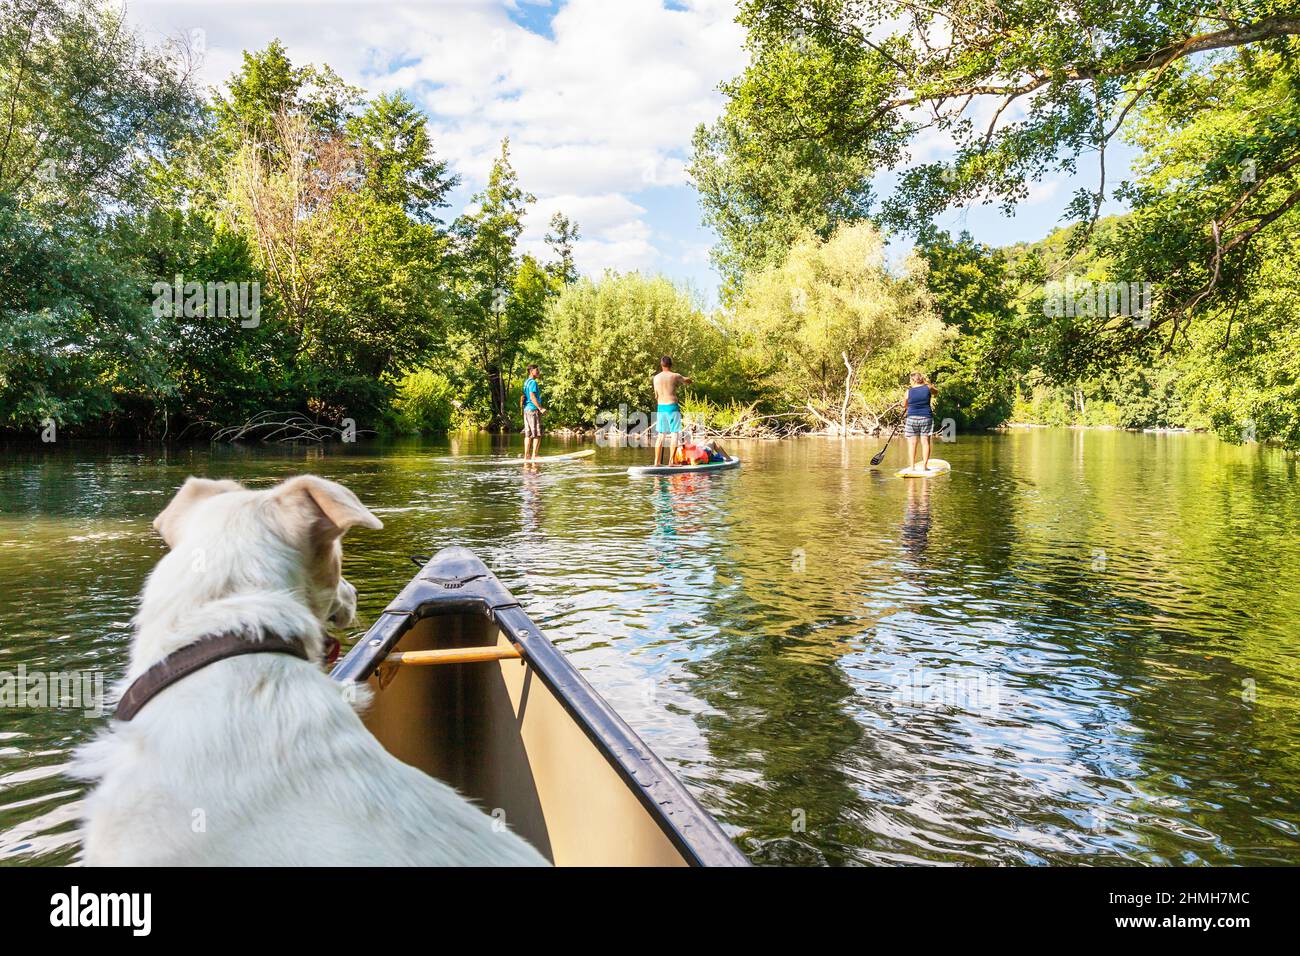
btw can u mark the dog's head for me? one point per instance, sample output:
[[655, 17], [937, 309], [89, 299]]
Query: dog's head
[[242, 542]]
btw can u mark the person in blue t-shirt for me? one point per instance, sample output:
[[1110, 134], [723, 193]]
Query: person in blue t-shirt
[[532, 403], [918, 426]]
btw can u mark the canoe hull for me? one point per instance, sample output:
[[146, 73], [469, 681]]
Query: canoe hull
[[527, 739]]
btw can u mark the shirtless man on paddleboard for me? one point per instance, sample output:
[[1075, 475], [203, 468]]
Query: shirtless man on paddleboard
[[669, 421]]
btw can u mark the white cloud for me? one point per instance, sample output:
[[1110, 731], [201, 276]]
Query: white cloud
[[621, 255], [614, 234], [1044, 190], [598, 213], [598, 111]]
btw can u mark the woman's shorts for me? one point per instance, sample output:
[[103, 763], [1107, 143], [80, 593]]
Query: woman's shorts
[[918, 426], [532, 423]]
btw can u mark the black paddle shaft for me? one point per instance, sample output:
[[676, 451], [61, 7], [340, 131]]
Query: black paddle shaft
[[880, 455]]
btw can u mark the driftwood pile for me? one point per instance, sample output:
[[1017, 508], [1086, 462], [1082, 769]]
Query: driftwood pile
[[285, 428]]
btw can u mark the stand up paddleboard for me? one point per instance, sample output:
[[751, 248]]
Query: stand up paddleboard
[[937, 467], [683, 469], [571, 456]]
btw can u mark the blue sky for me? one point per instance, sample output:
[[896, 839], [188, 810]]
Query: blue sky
[[598, 97]]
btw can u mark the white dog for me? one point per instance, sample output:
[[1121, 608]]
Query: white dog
[[258, 759]]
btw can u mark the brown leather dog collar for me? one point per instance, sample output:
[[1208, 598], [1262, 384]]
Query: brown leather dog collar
[[194, 657]]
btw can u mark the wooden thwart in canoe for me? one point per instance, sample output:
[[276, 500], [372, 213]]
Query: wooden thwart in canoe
[[469, 690]]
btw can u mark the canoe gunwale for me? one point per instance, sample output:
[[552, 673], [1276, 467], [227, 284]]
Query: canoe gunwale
[[455, 582]]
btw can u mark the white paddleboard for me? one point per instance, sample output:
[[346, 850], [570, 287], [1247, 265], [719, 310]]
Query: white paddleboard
[[571, 456], [937, 467]]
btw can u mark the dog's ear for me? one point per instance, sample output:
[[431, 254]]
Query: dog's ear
[[330, 508], [169, 520]]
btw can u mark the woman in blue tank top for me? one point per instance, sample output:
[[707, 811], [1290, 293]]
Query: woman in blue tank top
[[918, 426]]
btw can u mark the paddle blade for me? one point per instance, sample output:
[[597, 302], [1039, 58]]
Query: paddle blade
[[880, 455]]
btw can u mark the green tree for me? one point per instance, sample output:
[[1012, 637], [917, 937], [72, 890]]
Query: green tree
[[760, 197], [603, 339], [85, 107], [338, 202], [837, 329], [1219, 175], [74, 331], [381, 308], [425, 403], [268, 86], [397, 160], [87, 113], [491, 326], [972, 290], [221, 367], [561, 239], [1240, 368], [1022, 88]]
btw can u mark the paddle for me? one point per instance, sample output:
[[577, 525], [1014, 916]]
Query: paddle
[[880, 455]]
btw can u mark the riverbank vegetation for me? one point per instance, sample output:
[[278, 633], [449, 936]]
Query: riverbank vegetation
[[180, 262]]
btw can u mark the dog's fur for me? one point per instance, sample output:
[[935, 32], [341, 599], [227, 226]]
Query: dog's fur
[[259, 759]]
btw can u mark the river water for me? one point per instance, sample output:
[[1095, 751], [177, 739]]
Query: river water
[[1078, 647]]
